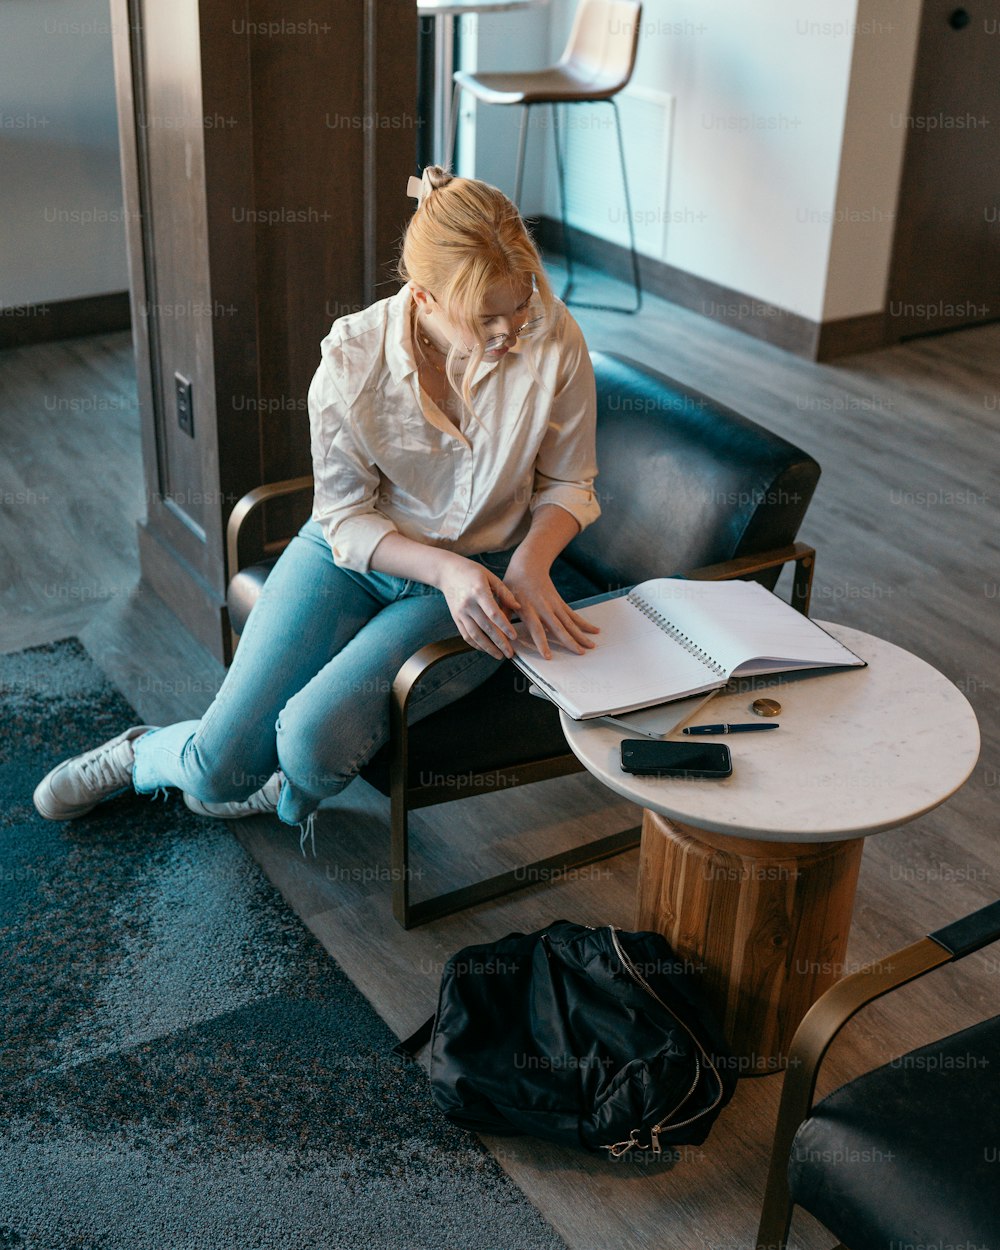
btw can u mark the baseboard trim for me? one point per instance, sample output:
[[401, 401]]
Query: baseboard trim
[[867, 333], [24, 324], [812, 340]]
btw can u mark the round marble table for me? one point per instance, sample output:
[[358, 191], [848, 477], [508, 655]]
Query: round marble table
[[752, 878]]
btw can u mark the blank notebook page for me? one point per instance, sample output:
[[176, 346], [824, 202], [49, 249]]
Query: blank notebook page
[[618, 671], [743, 626]]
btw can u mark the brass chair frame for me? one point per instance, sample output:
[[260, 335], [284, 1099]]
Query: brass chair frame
[[404, 797], [823, 1022]]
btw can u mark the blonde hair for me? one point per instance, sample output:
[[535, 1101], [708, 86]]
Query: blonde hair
[[465, 238]]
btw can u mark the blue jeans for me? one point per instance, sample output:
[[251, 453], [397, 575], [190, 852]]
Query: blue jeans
[[308, 689]]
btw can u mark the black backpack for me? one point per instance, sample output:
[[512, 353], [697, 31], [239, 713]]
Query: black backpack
[[592, 1037]]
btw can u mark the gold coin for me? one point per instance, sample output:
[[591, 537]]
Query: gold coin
[[765, 707]]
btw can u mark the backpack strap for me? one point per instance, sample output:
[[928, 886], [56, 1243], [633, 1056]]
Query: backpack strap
[[417, 1040]]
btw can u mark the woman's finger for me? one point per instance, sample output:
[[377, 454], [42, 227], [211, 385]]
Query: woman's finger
[[537, 632], [494, 625], [558, 623], [587, 626], [477, 638], [577, 626], [492, 611], [558, 633], [505, 596]]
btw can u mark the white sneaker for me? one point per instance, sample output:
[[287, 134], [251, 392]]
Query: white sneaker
[[77, 785], [265, 800]]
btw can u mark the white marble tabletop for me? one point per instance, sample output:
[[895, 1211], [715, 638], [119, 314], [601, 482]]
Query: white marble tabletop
[[858, 751]]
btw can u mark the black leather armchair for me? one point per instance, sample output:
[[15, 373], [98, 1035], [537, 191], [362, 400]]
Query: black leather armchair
[[905, 1155], [686, 486]]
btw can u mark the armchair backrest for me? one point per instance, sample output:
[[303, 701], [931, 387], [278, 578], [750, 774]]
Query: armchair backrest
[[683, 481]]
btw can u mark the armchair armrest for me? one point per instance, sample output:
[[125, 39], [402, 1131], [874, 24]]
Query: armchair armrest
[[741, 566], [402, 687], [824, 1020], [971, 933], [248, 505], [427, 657]]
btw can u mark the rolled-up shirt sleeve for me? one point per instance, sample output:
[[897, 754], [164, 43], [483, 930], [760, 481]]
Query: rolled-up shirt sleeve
[[346, 483], [566, 464]]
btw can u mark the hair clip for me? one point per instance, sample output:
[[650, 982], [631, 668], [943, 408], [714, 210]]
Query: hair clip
[[414, 188]]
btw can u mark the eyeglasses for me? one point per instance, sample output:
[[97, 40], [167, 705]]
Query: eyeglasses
[[497, 341]]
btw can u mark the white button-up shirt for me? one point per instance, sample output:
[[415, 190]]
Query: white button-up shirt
[[386, 459]]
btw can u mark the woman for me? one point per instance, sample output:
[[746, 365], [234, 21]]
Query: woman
[[452, 430]]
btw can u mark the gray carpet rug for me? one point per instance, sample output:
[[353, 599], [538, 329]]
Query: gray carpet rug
[[182, 1065]]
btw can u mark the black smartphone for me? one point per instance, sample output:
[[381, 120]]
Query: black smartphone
[[647, 758]]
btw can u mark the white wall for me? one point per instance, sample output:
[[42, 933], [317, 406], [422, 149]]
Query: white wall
[[864, 218], [736, 144], [60, 183]]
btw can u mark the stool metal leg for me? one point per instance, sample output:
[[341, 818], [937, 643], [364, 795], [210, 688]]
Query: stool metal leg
[[561, 178], [522, 142], [631, 231], [455, 97], [628, 209], [563, 210], [444, 58]]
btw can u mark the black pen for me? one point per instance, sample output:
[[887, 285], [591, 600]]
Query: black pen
[[727, 729]]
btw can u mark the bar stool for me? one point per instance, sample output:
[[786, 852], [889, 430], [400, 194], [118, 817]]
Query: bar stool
[[596, 65]]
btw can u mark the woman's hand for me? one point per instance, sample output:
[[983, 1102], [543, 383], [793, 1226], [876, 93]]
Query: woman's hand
[[478, 602], [543, 610]]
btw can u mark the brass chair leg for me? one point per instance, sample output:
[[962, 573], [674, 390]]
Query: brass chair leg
[[409, 913], [399, 814], [802, 580]]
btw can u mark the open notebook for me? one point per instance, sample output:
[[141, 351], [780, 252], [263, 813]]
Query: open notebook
[[670, 638]]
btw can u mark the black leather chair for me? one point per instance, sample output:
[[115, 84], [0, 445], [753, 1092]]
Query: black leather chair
[[905, 1155], [686, 486]]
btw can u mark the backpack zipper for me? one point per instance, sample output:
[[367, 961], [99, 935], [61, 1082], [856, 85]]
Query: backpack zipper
[[621, 1148]]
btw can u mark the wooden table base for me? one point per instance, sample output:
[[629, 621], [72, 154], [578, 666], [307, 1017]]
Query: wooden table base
[[764, 923]]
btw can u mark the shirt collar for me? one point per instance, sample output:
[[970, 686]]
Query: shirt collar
[[399, 354], [398, 340]]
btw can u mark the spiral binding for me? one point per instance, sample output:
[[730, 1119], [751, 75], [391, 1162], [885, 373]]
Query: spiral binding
[[683, 640]]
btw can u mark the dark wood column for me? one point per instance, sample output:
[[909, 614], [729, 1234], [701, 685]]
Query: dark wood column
[[266, 149]]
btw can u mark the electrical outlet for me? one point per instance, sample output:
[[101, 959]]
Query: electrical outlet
[[185, 411]]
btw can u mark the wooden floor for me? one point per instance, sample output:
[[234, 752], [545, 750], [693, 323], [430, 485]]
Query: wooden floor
[[905, 521]]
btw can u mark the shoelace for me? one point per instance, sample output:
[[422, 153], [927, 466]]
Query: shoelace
[[307, 832], [104, 771], [261, 801]]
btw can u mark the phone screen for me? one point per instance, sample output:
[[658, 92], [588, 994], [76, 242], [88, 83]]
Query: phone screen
[[675, 759]]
